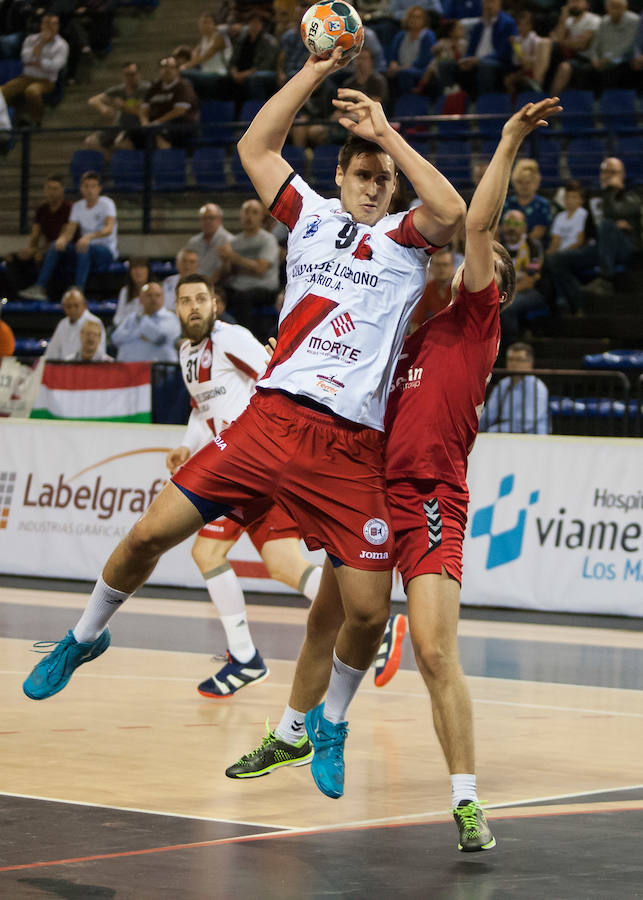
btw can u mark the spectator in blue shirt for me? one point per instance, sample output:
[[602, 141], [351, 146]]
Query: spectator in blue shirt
[[411, 50], [489, 53], [150, 334], [525, 180], [399, 8], [519, 403]]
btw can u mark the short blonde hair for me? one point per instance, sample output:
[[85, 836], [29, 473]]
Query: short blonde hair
[[526, 167]]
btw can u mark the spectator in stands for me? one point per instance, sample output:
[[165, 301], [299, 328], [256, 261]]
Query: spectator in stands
[[210, 57], [187, 263], [48, 223], [637, 57], [411, 50], [613, 47], [519, 403], [96, 248], [7, 338], [65, 340], [129, 301], [568, 227], [151, 334], [43, 57], [91, 335], [437, 293], [222, 307], [399, 8], [489, 53], [616, 217], [5, 126], [571, 42], [450, 47], [293, 53], [251, 270], [209, 239], [531, 56], [119, 106], [527, 256], [377, 15], [525, 180], [170, 107], [252, 74]]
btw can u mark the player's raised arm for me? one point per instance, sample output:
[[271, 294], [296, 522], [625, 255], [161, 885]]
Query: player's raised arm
[[442, 209], [489, 197], [260, 147]]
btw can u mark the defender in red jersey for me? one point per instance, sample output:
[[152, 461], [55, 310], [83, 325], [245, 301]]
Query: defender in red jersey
[[431, 423]]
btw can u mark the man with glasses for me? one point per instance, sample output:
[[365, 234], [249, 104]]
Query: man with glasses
[[615, 215]]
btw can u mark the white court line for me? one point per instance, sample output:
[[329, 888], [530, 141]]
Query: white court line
[[607, 790], [150, 812], [380, 693]]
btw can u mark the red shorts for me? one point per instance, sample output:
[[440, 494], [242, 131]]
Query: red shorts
[[429, 520], [271, 526], [325, 473]]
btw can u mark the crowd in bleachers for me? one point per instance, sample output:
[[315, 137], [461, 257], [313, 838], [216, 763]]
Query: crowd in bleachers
[[572, 221]]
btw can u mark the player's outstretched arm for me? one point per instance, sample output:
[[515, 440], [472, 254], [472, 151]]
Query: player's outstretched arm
[[489, 197], [261, 145], [442, 209]]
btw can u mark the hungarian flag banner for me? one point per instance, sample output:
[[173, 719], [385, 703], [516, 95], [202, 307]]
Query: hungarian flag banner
[[103, 392]]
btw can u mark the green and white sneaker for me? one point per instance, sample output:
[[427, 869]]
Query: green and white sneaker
[[271, 754], [475, 833]]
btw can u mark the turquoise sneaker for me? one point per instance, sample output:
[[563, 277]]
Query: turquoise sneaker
[[328, 742], [54, 671]]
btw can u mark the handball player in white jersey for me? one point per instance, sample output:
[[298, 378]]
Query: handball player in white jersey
[[220, 364], [431, 423], [311, 439]]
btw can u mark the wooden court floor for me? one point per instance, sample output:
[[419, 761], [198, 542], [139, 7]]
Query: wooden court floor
[[116, 787]]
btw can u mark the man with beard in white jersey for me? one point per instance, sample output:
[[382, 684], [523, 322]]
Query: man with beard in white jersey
[[311, 438], [220, 364]]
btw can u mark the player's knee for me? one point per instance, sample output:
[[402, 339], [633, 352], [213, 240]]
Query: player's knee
[[368, 616], [208, 555], [144, 541], [433, 658]]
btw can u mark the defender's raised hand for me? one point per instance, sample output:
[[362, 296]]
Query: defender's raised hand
[[531, 117]]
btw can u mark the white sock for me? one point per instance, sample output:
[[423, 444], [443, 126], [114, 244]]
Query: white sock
[[292, 726], [309, 582], [343, 685], [102, 605], [463, 787], [226, 594]]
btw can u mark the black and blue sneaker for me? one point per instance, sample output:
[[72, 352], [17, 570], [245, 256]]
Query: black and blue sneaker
[[234, 676], [328, 741], [54, 671]]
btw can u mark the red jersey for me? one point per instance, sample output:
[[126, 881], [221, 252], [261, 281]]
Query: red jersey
[[438, 390]]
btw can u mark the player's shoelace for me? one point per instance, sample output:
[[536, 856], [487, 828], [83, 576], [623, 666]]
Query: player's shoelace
[[336, 741], [469, 816], [48, 647], [267, 740]]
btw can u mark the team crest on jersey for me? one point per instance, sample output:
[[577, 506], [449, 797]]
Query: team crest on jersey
[[206, 359], [376, 531], [312, 227]]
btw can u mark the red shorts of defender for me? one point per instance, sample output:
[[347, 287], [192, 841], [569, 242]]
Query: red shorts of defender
[[324, 472], [271, 526], [429, 520]]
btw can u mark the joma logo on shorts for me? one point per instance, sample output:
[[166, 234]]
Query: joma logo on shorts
[[372, 554], [221, 444]]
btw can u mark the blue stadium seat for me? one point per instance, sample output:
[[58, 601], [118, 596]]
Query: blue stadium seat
[[453, 126], [127, 170], [216, 116], [168, 169], [525, 97], [618, 110], [239, 175], [453, 160], [615, 359], [295, 156], [208, 168], [250, 109], [490, 104], [9, 68], [584, 156], [548, 153], [85, 161], [28, 346], [161, 268], [324, 166], [410, 106], [578, 112]]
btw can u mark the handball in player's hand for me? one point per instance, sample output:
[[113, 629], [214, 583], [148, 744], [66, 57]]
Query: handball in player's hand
[[335, 24]]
